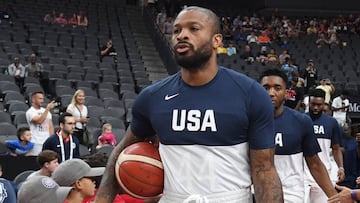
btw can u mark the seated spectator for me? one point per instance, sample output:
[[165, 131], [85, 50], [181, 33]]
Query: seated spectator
[[47, 161], [23, 145], [221, 49], [248, 56], [61, 19], [231, 50], [161, 18], [42, 189], [17, 70], [77, 174], [321, 41], [107, 50], [283, 56], [272, 57], [311, 29], [82, 20], [73, 20], [333, 40], [252, 38], [264, 39], [50, 17], [106, 138], [262, 56]]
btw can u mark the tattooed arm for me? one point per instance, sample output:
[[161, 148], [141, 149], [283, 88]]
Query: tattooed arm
[[266, 181]]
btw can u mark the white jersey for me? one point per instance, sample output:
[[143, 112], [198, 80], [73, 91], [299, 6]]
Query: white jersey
[[39, 132]]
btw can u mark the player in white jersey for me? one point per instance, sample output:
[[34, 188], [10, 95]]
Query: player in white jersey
[[295, 141], [327, 133], [214, 145], [40, 121]]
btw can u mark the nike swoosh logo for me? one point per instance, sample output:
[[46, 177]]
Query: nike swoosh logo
[[167, 97]]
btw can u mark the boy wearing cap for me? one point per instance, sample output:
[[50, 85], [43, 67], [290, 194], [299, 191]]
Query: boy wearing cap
[[42, 189], [77, 173]]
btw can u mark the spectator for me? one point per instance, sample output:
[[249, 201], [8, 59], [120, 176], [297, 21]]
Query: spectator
[[283, 56], [161, 18], [36, 69], [310, 75], [23, 145], [340, 106], [272, 57], [107, 50], [231, 50], [17, 70], [7, 191], [82, 20], [78, 174], [328, 88], [264, 39], [333, 40], [62, 142], [106, 138], [42, 189], [252, 38], [247, 55], [61, 19], [290, 69], [262, 56], [50, 17], [79, 110], [168, 28], [47, 161], [321, 41], [40, 121], [352, 158], [294, 95], [73, 20], [311, 30]]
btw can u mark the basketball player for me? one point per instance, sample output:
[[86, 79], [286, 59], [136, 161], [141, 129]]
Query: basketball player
[[294, 140], [326, 130], [224, 142]]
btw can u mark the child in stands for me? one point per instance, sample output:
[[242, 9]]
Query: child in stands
[[23, 145], [106, 138]]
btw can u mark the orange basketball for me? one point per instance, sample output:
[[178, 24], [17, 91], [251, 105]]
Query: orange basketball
[[139, 170]]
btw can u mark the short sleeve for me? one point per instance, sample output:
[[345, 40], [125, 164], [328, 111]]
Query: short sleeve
[[310, 144], [261, 131]]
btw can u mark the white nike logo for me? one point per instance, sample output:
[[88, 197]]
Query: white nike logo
[[167, 97]]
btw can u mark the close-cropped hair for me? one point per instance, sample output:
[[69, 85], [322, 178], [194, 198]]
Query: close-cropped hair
[[21, 131], [317, 93], [212, 16], [274, 72]]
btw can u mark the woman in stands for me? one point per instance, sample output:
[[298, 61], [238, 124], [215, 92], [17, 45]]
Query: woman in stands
[[78, 109], [82, 19]]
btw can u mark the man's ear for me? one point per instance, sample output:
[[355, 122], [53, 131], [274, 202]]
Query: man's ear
[[217, 40]]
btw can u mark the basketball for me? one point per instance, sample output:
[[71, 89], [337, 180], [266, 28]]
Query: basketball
[[139, 170]]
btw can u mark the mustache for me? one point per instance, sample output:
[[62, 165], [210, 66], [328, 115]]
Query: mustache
[[182, 43]]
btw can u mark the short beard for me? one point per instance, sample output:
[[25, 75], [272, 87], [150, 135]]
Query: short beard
[[315, 116], [197, 60]]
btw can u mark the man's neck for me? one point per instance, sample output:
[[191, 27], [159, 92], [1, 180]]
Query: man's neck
[[74, 197], [278, 111]]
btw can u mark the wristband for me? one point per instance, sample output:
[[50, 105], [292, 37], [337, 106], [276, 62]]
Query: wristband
[[341, 168], [354, 195]]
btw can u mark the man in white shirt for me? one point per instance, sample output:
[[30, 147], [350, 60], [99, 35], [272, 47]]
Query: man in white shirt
[[40, 121], [340, 106]]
